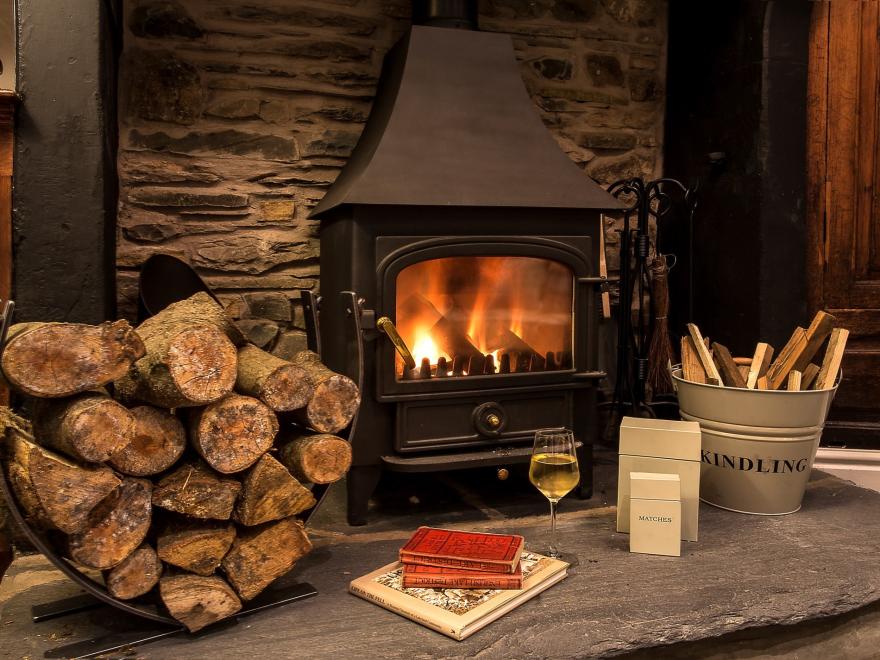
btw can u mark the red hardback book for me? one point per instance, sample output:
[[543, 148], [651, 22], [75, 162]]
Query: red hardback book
[[418, 576], [491, 553]]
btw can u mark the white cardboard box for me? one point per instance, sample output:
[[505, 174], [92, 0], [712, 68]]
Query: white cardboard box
[[655, 514], [665, 447]]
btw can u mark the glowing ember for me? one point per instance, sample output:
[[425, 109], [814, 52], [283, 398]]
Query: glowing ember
[[425, 347], [516, 309]]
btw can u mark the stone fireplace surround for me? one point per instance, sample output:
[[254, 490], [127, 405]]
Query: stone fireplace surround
[[235, 117]]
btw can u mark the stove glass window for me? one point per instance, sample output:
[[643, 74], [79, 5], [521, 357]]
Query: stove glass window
[[466, 316]]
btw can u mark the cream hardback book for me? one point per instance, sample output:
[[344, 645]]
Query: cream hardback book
[[457, 613]]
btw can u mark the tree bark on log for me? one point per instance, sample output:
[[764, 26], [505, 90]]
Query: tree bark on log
[[336, 398], [262, 554], [67, 492], [190, 356], [88, 427], [196, 547], [158, 440], [317, 459], [232, 434], [17, 466], [10, 421], [115, 528], [279, 384], [198, 601], [51, 360], [195, 490], [27, 497], [269, 492], [135, 575]]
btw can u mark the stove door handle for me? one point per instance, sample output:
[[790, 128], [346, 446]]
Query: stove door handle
[[387, 326]]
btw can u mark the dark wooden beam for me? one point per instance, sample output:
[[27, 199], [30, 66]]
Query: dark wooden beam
[[8, 101]]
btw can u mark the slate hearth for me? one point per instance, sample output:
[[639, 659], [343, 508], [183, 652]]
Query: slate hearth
[[766, 584]]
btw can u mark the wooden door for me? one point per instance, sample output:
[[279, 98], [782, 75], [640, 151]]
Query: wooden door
[[843, 155]]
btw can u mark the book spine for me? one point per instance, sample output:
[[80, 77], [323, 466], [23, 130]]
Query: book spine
[[404, 611], [458, 582], [469, 564]]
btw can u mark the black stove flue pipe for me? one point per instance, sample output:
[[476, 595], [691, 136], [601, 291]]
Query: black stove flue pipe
[[461, 14]]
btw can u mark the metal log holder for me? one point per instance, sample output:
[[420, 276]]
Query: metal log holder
[[646, 200], [143, 621]]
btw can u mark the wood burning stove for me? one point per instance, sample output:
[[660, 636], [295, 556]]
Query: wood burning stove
[[460, 221]]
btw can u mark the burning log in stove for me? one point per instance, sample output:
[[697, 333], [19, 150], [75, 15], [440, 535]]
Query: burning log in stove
[[506, 352], [485, 365]]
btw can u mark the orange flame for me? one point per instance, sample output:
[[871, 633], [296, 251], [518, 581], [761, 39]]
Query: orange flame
[[497, 304]]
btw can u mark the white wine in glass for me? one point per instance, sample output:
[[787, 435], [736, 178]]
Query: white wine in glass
[[554, 471]]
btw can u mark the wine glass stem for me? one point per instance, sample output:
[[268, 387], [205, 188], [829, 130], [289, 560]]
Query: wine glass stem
[[554, 551]]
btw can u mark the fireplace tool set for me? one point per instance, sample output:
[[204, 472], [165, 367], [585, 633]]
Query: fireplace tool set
[[644, 352]]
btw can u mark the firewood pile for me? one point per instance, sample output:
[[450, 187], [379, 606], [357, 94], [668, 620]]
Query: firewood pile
[[154, 454], [796, 367]]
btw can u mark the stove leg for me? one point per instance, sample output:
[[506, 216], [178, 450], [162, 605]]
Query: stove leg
[[585, 467], [362, 481]]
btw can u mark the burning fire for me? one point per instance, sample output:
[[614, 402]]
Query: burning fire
[[426, 347], [463, 309]]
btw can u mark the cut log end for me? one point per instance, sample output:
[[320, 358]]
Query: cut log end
[[135, 575], [90, 427], [287, 388], [190, 356], [67, 492], [158, 440], [318, 459], [233, 433], [53, 360], [196, 547], [198, 601], [334, 404], [202, 364], [115, 528], [279, 384], [262, 554], [196, 491], [269, 492]]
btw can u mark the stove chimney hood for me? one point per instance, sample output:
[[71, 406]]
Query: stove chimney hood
[[452, 125]]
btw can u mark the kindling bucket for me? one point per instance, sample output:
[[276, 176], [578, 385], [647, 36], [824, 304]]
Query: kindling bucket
[[758, 446]]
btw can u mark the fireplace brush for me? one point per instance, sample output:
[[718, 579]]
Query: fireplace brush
[[660, 354]]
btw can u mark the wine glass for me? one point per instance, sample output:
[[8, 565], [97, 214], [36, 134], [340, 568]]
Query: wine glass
[[554, 471]]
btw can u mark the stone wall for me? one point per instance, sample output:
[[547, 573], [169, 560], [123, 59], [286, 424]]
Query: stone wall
[[236, 115]]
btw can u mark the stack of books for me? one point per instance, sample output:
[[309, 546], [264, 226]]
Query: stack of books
[[458, 582], [448, 559]]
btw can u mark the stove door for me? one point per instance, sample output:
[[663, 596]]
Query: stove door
[[478, 313]]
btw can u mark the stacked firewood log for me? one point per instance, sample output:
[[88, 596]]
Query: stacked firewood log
[[154, 454], [799, 365]]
